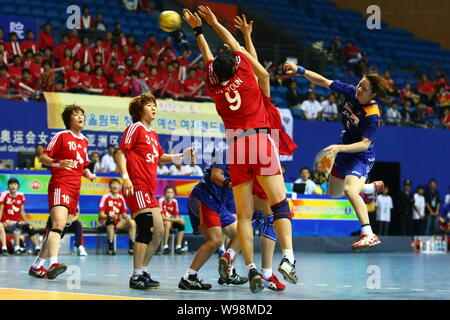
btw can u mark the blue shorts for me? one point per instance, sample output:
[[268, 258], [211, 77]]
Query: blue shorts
[[347, 164]]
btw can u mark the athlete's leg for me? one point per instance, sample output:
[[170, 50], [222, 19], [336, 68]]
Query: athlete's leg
[[231, 232], [59, 216], [167, 227], [2, 236], [267, 245], [110, 230], [336, 187], [213, 239], [158, 231], [352, 187], [180, 236]]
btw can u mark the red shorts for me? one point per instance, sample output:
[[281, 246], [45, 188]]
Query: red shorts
[[258, 190], [141, 199], [208, 217], [60, 196], [251, 156]]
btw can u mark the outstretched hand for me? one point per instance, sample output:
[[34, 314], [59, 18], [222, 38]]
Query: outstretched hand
[[289, 67], [192, 19], [206, 13], [242, 25]]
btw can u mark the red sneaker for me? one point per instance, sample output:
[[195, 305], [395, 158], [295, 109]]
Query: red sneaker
[[365, 241], [38, 272], [369, 198], [273, 283], [225, 264], [55, 270]]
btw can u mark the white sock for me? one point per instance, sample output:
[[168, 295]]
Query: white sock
[[39, 262], [366, 229], [178, 247], [137, 273], [16, 248], [251, 266], [189, 271], [53, 260], [231, 253], [289, 254], [37, 248], [266, 273], [222, 248], [368, 188], [145, 269], [4, 247], [166, 246]]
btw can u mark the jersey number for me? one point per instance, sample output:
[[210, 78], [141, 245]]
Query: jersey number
[[72, 145], [235, 103]]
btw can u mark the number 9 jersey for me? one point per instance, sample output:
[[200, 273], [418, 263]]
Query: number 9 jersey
[[64, 185]]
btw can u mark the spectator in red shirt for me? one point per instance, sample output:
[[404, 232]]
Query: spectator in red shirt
[[172, 86], [183, 60], [442, 97], [111, 90], [36, 66], [154, 82], [426, 90], [168, 55], [107, 43], [125, 53], [392, 88], [61, 47], [201, 72], [15, 70], [441, 80], [86, 79], [408, 94], [168, 44], [84, 54], [29, 43], [151, 42], [137, 55], [5, 84], [66, 61], [47, 80], [46, 38], [73, 39], [162, 67], [98, 60], [73, 77], [115, 52], [28, 59], [98, 79], [48, 55], [87, 22], [192, 85], [129, 65], [352, 53], [145, 66], [131, 41], [13, 46], [98, 49], [122, 82], [27, 80], [111, 67]]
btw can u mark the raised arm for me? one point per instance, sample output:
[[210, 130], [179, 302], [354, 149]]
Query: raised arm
[[206, 13], [246, 30], [317, 79], [196, 23]]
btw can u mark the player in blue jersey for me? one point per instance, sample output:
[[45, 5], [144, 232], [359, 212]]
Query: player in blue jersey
[[355, 155], [211, 209]]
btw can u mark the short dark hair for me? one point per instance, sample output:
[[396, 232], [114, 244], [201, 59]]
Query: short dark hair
[[305, 168], [13, 180], [113, 180], [136, 106], [432, 180], [169, 187], [67, 113], [223, 66], [111, 146]]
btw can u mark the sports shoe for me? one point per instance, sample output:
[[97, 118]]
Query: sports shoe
[[36, 251], [180, 251], [140, 283], [18, 252], [150, 282], [5, 252], [82, 251], [55, 270], [365, 241], [370, 197], [273, 283], [38, 272], [255, 281], [220, 252], [166, 250], [287, 269], [233, 279], [225, 264], [193, 283]]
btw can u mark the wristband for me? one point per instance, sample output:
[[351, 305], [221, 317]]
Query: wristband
[[226, 183], [301, 70], [55, 163], [125, 176], [198, 31]]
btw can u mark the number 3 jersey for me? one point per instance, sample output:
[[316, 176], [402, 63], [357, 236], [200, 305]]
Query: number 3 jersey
[[65, 145], [142, 150], [359, 120], [239, 101]]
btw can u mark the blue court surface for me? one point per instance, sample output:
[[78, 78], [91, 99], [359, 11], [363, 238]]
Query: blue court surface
[[322, 276]]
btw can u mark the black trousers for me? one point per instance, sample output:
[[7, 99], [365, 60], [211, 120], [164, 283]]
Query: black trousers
[[405, 227]]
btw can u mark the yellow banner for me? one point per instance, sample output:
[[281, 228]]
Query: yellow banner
[[105, 113]]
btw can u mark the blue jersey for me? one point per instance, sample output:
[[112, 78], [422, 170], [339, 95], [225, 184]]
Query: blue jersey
[[358, 120], [207, 188]]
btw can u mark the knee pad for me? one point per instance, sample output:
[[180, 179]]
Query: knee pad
[[180, 227], [16, 227], [144, 222], [60, 232], [267, 229], [109, 221], [258, 219], [281, 210], [27, 228]]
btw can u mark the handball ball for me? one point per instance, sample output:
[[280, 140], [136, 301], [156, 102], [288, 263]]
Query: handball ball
[[169, 21], [318, 191]]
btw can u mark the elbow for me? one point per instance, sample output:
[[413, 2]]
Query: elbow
[[264, 75]]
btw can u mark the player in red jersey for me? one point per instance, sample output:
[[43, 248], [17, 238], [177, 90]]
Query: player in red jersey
[[112, 207], [67, 156], [140, 146], [170, 214], [13, 218], [252, 154]]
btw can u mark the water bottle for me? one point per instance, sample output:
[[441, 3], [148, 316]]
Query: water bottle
[[185, 248], [93, 223]]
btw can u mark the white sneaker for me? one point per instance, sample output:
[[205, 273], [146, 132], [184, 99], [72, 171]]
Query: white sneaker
[[82, 252]]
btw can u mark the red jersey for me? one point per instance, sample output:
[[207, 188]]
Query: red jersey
[[427, 86], [98, 82], [35, 70], [46, 40], [66, 63], [12, 205], [5, 84], [200, 74], [15, 73], [59, 51], [123, 84], [31, 83], [169, 209], [239, 102], [192, 88], [65, 145], [86, 80], [142, 149], [73, 78], [108, 92], [29, 44], [112, 205], [14, 48], [154, 84]]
